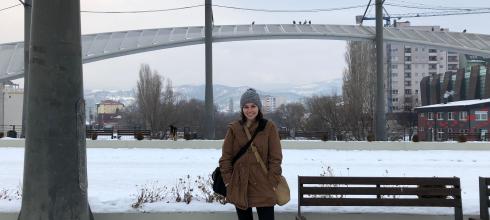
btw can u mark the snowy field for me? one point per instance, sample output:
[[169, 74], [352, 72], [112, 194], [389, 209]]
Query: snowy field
[[115, 175]]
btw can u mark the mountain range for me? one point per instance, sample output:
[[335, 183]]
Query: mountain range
[[223, 94]]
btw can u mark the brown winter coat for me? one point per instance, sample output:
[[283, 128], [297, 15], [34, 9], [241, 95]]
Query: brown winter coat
[[248, 185]]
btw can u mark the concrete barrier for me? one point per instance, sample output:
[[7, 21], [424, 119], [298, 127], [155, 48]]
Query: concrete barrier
[[286, 144]]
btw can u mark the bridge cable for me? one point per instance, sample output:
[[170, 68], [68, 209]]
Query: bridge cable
[[293, 11], [142, 11], [10, 7]]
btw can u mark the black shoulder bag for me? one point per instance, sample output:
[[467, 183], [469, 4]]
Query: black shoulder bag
[[218, 183]]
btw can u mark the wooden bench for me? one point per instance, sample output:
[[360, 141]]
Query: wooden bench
[[100, 132], [133, 132], [484, 193], [379, 191]]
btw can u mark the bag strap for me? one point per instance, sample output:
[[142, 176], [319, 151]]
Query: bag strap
[[256, 153], [244, 149]]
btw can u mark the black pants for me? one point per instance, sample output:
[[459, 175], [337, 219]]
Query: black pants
[[264, 213]]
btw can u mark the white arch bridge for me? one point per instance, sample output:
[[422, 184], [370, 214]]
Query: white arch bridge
[[102, 46]]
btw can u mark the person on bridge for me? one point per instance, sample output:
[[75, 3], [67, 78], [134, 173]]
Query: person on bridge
[[247, 184]]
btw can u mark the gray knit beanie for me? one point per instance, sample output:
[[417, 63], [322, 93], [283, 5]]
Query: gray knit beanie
[[250, 96]]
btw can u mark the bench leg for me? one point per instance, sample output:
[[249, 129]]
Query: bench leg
[[458, 213]]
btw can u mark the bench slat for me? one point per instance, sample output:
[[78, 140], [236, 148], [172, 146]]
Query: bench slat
[[377, 202], [378, 180], [392, 190]]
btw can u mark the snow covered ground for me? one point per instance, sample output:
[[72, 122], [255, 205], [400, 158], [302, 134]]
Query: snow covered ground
[[115, 175]]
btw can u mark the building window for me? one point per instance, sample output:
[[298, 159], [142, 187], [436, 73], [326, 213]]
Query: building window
[[408, 66], [463, 116], [440, 116], [441, 66], [408, 75], [394, 91], [430, 116], [394, 66], [395, 99], [408, 83], [408, 50], [422, 115], [432, 51], [432, 58], [416, 91], [408, 91], [450, 116], [481, 115], [408, 58], [432, 66]]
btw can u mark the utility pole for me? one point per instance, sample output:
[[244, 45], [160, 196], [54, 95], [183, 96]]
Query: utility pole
[[208, 99], [27, 39], [380, 92], [55, 164]]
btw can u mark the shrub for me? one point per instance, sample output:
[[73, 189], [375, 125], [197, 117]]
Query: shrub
[[150, 193], [93, 136], [462, 138], [2, 134], [139, 136], [187, 136], [415, 138], [370, 137]]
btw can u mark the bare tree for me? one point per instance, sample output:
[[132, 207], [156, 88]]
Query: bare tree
[[168, 107], [326, 113], [148, 95], [292, 115], [359, 88]]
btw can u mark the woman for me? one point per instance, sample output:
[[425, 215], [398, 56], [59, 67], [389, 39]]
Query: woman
[[247, 185]]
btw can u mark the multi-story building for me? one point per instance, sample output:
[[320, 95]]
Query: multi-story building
[[466, 84], [269, 104], [407, 64]]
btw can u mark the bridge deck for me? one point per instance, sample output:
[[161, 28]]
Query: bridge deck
[[114, 44]]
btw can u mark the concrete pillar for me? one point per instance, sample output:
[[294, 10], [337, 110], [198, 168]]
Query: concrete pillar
[[208, 98], [55, 167], [380, 92], [27, 39], [471, 91], [487, 83], [458, 86]]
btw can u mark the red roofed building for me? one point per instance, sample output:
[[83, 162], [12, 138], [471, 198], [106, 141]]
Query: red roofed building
[[108, 113], [441, 122]]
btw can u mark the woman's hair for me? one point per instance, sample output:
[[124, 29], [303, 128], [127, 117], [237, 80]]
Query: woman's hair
[[257, 118]]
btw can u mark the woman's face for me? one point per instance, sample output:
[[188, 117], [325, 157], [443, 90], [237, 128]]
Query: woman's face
[[250, 110]]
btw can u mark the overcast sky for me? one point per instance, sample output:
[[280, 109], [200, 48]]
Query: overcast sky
[[251, 63]]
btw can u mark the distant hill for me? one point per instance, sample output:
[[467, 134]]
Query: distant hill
[[222, 93]]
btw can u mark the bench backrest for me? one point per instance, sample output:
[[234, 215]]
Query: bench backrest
[[132, 132], [380, 191], [100, 132], [484, 202]]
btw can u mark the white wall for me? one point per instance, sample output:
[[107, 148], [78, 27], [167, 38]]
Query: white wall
[[13, 101]]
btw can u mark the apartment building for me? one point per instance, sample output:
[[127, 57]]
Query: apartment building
[[407, 64]]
